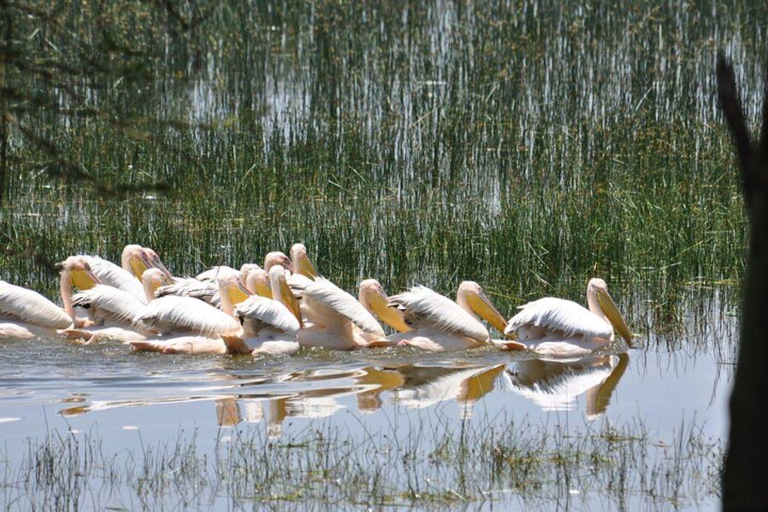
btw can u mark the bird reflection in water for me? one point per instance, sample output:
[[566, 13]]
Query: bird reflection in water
[[317, 393], [554, 385]]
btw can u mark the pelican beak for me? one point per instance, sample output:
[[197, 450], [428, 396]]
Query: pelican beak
[[290, 300], [84, 279], [156, 263], [483, 307], [237, 294], [139, 263], [263, 289], [476, 386], [612, 313], [306, 267], [386, 313]]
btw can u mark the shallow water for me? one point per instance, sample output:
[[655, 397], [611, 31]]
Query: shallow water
[[131, 401]]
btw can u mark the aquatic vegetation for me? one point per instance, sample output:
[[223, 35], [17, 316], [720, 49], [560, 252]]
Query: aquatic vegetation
[[434, 462]]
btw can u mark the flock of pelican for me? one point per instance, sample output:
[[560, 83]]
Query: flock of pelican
[[286, 305]]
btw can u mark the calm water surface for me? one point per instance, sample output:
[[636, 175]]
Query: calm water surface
[[131, 400]]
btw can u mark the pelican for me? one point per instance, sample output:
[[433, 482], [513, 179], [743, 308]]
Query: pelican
[[270, 326], [186, 325], [331, 315], [112, 275], [27, 314], [174, 315], [207, 289], [111, 311], [560, 328], [439, 324]]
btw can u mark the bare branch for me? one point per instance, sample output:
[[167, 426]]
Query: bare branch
[[731, 105]]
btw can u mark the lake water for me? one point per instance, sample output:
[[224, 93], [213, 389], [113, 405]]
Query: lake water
[[131, 401]]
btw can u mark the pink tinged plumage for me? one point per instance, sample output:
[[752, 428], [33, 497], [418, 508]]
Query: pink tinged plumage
[[21, 304]]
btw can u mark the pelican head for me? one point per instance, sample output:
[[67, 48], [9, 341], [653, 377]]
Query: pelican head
[[152, 279], [601, 303], [301, 262], [135, 260], [282, 291], [277, 258], [231, 291], [257, 282], [75, 271], [78, 272], [373, 298], [245, 272], [471, 297]]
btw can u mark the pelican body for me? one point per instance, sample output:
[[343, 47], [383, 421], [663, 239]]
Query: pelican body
[[560, 328], [27, 314], [438, 323]]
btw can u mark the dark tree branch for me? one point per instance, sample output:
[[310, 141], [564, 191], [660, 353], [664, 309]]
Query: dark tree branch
[[746, 471]]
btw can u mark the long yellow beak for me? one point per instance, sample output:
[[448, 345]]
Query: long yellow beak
[[289, 299], [138, 265], [486, 310], [612, 313], [84, 279], [387, 314], [477, 386], [237, 294], [263, 289], [306, 267]]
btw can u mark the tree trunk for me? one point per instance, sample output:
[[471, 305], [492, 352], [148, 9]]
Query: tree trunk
[[745, 480]]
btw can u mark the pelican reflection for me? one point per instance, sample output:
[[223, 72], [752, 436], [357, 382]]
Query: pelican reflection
[[554, 386]]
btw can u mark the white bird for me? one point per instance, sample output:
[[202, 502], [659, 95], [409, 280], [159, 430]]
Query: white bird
[[27, 314], [301, 263], [270, 326], [438, 323], [331, 315], [560, 328], [112, 275]]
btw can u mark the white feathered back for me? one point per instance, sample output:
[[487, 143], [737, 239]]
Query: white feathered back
[[322, 293], [113, 303], [31, 307], [266, 312], [562, 316], [185, 314], [424, 308], [117, 277]]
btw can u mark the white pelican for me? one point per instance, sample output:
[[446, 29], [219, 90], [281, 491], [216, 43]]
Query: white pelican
[[110, 274], [270, 326], [330, 316], [438, 323], [184, 315], [26, 314], [213, 273], [111, 311], [561, 328], [207, 289]]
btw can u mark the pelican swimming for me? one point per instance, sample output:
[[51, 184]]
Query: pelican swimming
[[27, 314], [563, 329], [331, 316], [438, 323], [270, 326], [113, 275]]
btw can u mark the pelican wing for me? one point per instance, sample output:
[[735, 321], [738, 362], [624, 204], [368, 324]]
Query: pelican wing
[[31, 307], [323, 295], [185, 314], [117, 277], [552, 316], [207, 291], [213, 273], [109, 303], [424, 308], [264, 312]]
